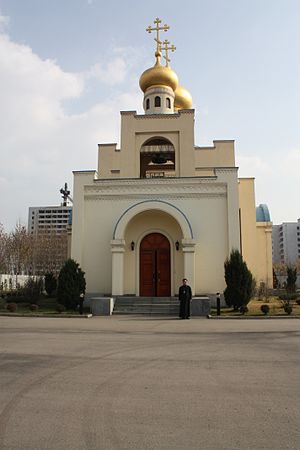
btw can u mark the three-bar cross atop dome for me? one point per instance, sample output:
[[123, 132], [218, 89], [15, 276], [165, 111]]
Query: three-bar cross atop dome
[[162, 93]]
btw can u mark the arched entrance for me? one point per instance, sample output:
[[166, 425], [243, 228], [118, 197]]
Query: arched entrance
[[155, 270], [125, 261]]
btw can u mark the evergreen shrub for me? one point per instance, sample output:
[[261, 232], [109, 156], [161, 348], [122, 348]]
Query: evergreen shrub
[[239, 281], [11, 307], [60, 308], [265, 309], [71, 283], [288, 309], [33, 307], [50, 283], [244, 309]]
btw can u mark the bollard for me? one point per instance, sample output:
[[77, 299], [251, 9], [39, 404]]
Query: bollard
[[81, 299], [218, 304]]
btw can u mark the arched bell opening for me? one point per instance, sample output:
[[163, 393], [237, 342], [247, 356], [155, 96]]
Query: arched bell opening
[[157, 101], [157, 159]]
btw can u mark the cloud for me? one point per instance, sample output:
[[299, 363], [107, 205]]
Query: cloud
[[290, 163], [4, 23], [276, 182], [283, 165], [32, 92], [112, 73], [249, 165], [41, 140]]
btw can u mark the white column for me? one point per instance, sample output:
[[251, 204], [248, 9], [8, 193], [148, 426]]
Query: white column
[[188, 249], [117, 270]]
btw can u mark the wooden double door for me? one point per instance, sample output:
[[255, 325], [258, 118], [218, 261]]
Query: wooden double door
[[155, 266]]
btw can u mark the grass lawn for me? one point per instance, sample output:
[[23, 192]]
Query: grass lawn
[[275, 305], [47, 306]]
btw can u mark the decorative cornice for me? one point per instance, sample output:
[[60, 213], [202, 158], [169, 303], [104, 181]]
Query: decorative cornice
[[169, 196], [226, 169], [152, 181], [165, 116], [84, 172], [156, 189], [107, 144], [128, 113], [186, 111], [141, 183], [157, 116]]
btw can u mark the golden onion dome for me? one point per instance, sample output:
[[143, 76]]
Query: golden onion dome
[[158, 75], [183, 99]]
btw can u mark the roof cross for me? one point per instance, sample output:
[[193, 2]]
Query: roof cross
[[166, 48], [65, 194], [157, 28]]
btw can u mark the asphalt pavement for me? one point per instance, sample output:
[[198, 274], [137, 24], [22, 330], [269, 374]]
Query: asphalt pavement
[[129, 382]]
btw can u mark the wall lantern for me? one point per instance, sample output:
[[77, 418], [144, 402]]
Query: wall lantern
[[177, 245], [132, 245]]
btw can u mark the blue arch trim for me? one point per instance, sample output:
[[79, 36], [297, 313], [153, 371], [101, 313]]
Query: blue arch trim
[[157, 201]]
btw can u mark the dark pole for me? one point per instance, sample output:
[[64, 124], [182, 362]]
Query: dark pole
[[218, 304], [65, 194]]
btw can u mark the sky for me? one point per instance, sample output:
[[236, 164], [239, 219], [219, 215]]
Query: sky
[[68, 67]]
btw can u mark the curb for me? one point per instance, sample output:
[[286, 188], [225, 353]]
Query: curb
[[65, 316], [252, 317]]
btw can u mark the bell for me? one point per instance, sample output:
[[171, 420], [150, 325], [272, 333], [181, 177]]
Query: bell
[[159, 159]]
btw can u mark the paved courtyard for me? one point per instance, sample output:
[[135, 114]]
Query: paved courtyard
[[149, 383]]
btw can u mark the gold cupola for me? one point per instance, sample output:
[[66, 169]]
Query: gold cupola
[[158, 75], [183, 99]]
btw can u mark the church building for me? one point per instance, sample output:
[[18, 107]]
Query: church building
[[159, 208]]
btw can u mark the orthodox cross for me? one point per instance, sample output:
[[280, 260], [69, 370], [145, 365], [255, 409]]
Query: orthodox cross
[[166, 48], [157, 28], [65, 194]]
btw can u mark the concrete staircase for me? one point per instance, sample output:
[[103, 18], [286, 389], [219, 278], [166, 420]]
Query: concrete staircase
[[147, 305]]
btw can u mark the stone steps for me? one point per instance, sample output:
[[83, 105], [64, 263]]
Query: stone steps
[[147, 305]]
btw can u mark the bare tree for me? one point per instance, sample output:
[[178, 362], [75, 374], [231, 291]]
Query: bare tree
[[25, 253], [280, 268], [3, 249], [49, 252], [19, 250]]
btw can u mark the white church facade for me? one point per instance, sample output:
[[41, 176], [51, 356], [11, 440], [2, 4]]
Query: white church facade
[[160, 208]]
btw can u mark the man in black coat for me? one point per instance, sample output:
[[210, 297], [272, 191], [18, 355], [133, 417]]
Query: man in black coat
[[185, 297]]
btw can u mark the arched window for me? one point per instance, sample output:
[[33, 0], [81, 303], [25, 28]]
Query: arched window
[[147, 103], [168, 101], [157, 101]]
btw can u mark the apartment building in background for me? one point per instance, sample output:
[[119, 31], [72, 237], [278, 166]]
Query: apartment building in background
[[49, 219], [51, 226], [286, 243]]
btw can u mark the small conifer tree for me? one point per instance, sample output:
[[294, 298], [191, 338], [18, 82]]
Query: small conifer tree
[[32, 289], [50, 283], [275, 280], [239, 281], [71, 283], [291, 279]]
